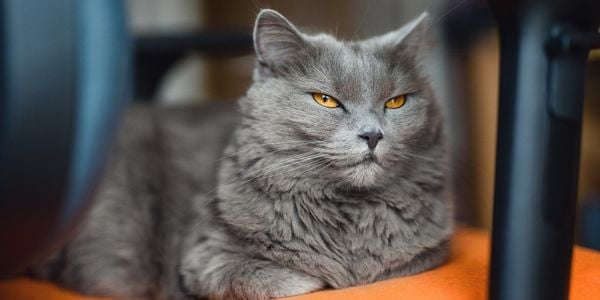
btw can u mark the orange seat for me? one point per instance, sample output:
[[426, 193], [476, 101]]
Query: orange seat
[[464, 276]]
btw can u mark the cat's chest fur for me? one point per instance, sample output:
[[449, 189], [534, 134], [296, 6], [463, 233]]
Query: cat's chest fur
[[347, 240]]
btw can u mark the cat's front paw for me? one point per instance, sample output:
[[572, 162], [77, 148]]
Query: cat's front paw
[[294, 284], [259, 285], [236, 277]]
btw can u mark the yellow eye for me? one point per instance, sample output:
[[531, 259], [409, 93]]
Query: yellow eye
[[396, 102], [325, 100]]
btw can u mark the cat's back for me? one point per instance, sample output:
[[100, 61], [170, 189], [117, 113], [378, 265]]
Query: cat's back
[[192, 137], [173, 147], [128, 244], [189, 135]]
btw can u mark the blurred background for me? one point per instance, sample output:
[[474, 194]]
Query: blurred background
[[194, 51]]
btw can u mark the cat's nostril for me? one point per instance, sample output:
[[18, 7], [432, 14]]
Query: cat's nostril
[[372, 138]]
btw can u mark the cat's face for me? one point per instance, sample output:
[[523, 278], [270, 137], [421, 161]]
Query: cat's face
[[353, 111]]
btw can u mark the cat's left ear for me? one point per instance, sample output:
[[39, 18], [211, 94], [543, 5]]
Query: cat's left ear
[[409, 39], [277, 42]]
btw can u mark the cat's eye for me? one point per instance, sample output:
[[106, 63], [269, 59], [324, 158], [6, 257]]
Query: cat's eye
[[325, 100], [396, 102]]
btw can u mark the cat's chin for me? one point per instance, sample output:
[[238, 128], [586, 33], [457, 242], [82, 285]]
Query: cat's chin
[[363, 175]]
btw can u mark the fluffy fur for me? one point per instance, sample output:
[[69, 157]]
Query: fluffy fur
[[300, 202]]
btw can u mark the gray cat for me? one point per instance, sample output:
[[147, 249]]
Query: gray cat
[[335, 175]]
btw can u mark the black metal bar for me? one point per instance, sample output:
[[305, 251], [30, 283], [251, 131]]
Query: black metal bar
[[155, 54], [540, 108]]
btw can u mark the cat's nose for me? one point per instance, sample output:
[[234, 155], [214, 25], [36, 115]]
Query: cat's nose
[[372, 137]]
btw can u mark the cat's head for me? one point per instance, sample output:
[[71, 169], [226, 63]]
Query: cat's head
[[354, 112]]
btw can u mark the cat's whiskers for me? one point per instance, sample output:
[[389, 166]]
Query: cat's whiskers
[[409, 155], [447, 12], [254, 146], [324, 163], [328, 151], [278, 166], [268, 169], [267, 175]]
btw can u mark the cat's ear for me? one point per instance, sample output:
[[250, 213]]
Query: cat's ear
[[409, 39], [276, 40]]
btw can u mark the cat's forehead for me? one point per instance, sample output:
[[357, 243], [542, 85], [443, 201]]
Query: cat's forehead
[[352, 54], [358, 67]]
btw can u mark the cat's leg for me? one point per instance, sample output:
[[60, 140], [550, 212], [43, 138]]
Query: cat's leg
[[209, 270]]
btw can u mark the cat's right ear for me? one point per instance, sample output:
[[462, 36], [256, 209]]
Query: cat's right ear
[[277, 42]]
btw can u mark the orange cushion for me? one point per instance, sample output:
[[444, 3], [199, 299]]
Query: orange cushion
[[464, 276]]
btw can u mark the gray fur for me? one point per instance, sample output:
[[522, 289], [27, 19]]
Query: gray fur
[[300, 203]]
